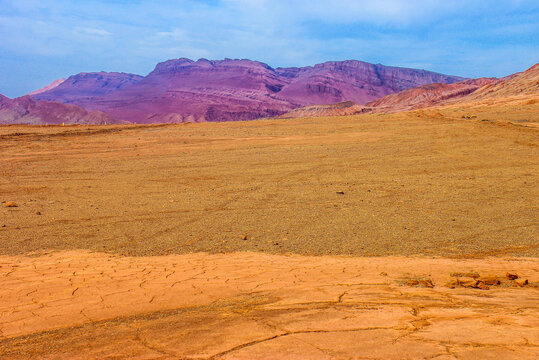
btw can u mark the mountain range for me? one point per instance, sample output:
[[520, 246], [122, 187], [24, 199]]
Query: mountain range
[[516, 89], [183, 90]]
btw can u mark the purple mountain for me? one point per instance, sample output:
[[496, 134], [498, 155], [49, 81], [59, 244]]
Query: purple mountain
[[28, 111], [185, 90]]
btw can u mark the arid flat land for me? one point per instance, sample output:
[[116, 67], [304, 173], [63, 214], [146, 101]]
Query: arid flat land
[[318, 238], [367, 185]]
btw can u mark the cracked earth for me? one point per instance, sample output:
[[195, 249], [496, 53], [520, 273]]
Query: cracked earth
[[80, 305]]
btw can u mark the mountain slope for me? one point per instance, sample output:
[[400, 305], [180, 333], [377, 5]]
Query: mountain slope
[[520, 84], [428, 95], [523, 86], [49, 87], [346, 108], [185, 90], [26, 110]]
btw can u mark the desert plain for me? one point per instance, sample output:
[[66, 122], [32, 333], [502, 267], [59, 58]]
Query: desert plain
[[378, 236]]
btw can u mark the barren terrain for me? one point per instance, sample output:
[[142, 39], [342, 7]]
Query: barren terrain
[[415, 184], [78, 305], [258, 227]]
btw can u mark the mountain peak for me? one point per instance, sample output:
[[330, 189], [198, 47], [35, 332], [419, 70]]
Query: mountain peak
[[178, 65]]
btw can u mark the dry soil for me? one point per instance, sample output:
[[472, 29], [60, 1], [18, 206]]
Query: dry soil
[[365, 237]]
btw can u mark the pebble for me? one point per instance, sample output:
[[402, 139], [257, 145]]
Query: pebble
[[511, 276], [427, 283], [521, 282], [491, 280], [466, 282], [11, 204], [481, 285]]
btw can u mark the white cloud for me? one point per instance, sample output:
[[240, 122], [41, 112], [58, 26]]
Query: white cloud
[[175, 33], [92, 31]]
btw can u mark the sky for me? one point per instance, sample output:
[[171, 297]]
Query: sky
[[43, 40]]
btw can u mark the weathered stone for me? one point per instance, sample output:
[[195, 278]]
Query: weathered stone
[[521, 282], [426, 283], [490, 280], [511, 276], [466, 282], [481, 285]]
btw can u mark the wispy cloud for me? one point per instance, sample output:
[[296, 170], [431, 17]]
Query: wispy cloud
[[45, 39], [92, 31], [174, 34]]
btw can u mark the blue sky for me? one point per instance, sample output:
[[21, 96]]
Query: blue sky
[[42, 40]]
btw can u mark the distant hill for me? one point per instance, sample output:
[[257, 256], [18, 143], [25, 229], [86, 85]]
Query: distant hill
[[84, 86], [428, 95], [521, 85], [26, 110], [339, 109], [183, 90]]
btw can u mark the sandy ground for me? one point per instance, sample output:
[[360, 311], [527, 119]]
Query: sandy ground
[[81, 305], [207, 241], [366, 185]]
